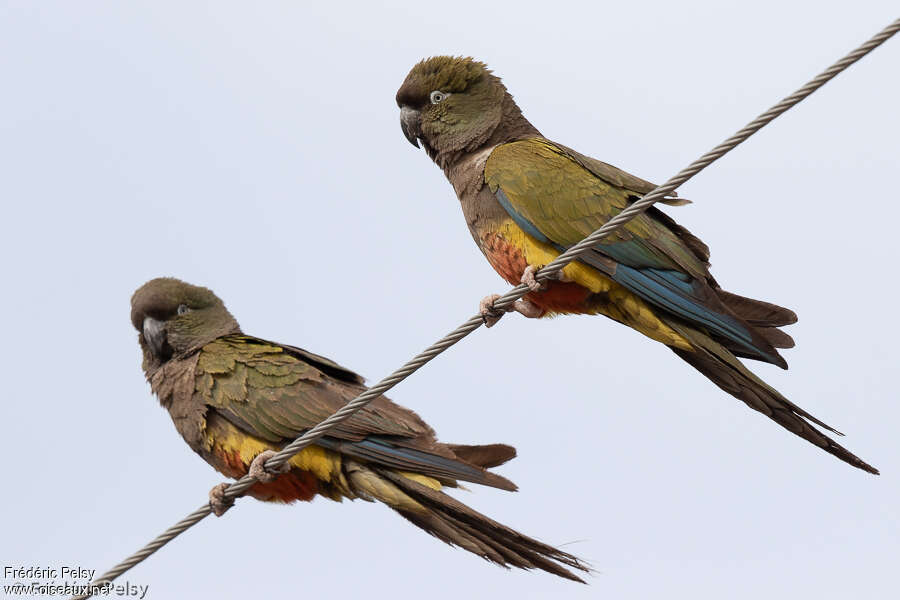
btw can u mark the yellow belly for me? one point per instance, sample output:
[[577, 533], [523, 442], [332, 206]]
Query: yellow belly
[[608, 297]]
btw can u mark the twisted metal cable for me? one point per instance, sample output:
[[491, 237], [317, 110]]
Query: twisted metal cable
[[503, 302]]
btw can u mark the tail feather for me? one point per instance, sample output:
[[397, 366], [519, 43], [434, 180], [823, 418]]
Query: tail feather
[[776, 337], [773, 336], [519, 554], [764, 318], [722, 368], [434, 461], [757, 312], [485, 456], [457, 524], [462, 522]]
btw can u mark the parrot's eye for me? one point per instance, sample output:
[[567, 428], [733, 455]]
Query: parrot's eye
[[438, 96], [182, 309]]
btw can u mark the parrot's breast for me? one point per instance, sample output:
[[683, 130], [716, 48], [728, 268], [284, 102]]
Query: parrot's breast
[[314, 470], [509, 261], [506, 258], [584, 289]]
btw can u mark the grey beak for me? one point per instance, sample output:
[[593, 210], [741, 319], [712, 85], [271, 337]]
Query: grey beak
[[155, 335], [410, 123]]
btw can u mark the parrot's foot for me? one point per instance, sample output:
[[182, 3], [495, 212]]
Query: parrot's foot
[[522, 306], [489, 314], [533, 284], [218, 503], [258, 467]]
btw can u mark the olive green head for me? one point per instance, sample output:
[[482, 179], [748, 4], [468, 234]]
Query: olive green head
[[174, 318], [450, 103]]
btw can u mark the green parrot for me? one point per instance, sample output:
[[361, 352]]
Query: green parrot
[[237, 399], [527, 199]]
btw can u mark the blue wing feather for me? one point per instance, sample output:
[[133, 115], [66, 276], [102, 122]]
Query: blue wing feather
[[673, 291], [383, 451]]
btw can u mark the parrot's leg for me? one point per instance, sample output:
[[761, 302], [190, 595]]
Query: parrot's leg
[[522, 306], [528, 309], [217, 501], [258, 467]]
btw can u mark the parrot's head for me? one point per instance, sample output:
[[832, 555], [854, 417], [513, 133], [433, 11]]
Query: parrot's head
[[455, 105], [174, 319]]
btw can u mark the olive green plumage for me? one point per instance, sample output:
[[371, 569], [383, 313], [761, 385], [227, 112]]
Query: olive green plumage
[[570, 206], [278, 392], [526, 199], [232, 397]]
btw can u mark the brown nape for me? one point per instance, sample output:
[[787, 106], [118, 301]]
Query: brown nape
[[513, 125]]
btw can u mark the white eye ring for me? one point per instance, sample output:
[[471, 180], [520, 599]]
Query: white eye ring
[[438, 96], [183, 308]]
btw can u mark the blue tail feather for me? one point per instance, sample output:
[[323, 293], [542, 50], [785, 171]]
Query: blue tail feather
[[674, 291]]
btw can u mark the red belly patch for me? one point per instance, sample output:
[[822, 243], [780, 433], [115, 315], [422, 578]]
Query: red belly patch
[[562, 297], [293, 485], [510, 263]]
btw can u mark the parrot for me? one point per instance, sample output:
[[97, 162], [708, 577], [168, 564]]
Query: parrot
[[237, 399], [526, 199]]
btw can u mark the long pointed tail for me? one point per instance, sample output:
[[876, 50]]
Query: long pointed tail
[[455, 523], [727, 372]]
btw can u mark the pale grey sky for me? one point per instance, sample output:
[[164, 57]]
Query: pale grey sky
[[257, 150]]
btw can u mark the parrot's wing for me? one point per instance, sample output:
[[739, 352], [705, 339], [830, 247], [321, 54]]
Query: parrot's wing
[[326, 365], [273, 392], [277, 392], [562, 199], [558, 200], [619, 178]]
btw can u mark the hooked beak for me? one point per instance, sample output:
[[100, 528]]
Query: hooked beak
[[155, 336], [410, 123]]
